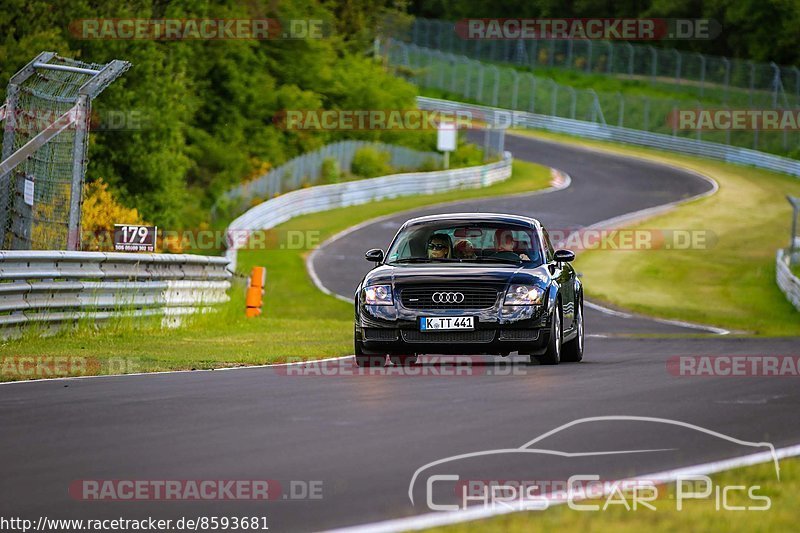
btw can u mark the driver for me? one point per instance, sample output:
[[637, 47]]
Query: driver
[[439, 246], [504, 245]]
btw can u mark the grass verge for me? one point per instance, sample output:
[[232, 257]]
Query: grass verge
[[696, 514], [731, 282], [298, 320]]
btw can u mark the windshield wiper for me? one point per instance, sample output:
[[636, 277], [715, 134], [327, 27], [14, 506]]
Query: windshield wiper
[[490, 259], [427, 260]]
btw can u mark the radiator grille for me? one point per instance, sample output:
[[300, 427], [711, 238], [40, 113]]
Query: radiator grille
[[519, 335], [481, 335], [376, 334], [474, 298]]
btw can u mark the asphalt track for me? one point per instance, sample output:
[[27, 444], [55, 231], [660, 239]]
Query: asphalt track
[[365, 436]]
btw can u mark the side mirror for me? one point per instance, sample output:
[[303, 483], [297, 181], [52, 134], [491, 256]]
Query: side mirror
[[375, 255], [564, 256]]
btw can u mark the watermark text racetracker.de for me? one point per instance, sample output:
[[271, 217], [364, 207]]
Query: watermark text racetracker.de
[[577, 239], [176, 29], [184, 523], [178, 490], [455, 366], [50, 366], [753, 365], [627, 29]]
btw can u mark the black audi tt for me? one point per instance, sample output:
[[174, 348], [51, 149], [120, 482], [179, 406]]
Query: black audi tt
[[469, 283]]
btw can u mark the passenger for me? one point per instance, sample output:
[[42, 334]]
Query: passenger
[[439, 246], [463, 249]]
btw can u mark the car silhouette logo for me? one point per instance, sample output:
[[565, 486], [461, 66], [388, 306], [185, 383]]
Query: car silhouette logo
[[447, 297]]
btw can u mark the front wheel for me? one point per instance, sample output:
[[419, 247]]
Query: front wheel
[[552, 355], [573, 350]]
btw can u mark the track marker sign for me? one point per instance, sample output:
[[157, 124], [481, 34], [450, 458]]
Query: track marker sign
[[134, 238], [446, 141], [27, 193]]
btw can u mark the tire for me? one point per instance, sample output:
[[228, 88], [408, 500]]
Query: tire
[[403, 360], [573, 350], [552, 355]]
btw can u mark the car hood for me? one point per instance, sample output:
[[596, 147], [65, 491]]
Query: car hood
[[493, 275]]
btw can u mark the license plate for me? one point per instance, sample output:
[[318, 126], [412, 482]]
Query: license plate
[[446, 323]]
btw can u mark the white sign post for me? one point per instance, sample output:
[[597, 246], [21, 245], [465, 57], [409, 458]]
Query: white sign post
[[446, 141]]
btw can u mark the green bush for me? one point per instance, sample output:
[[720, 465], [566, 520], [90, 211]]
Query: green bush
[[331, 173], [370, 163], [429, 165], [466, 155]]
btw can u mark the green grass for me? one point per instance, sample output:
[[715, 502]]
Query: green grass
[[730, 284], [298, 322], [696, 514]]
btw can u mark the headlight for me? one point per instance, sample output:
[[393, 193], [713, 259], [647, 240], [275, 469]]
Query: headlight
[[378, 295], [524, 295]]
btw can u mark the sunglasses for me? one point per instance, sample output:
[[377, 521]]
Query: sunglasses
[[437, 246]]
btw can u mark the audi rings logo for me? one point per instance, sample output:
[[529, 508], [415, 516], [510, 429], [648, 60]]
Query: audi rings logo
[[447, 297]]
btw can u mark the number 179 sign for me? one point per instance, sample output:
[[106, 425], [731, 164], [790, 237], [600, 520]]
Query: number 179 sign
[[133, 238]]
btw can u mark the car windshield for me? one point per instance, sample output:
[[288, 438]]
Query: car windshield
[[466, 242]]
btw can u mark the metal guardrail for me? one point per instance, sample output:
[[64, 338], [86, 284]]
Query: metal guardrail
[[323, 197], [505, 117], [50, 289], [787, 281], [306, 169]]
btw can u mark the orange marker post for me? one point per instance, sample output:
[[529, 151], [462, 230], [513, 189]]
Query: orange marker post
[[255, 291]]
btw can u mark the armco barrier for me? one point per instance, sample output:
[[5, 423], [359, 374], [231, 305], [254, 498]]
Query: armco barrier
[[323, 197], [308, 168], [788, 282], [593, 130], [54, 288]]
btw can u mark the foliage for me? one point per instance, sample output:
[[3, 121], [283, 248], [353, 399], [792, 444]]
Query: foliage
[[370, 163], [199, 112], [100, 212], [750, 29], [331, 173]]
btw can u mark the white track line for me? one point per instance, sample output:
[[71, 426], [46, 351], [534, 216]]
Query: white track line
[[681, 323], [438, 519], [227, 368]]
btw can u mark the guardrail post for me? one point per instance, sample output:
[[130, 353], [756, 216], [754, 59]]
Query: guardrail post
[[496, 88], [702, 73], [515, 90], [22, 221], [727, 81], [795, 201], [654, 65]]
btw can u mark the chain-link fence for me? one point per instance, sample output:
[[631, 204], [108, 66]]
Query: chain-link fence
[[507, 87], [723, 80], [45, 137]]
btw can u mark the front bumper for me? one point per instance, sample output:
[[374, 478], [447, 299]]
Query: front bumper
[[498, 330]]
